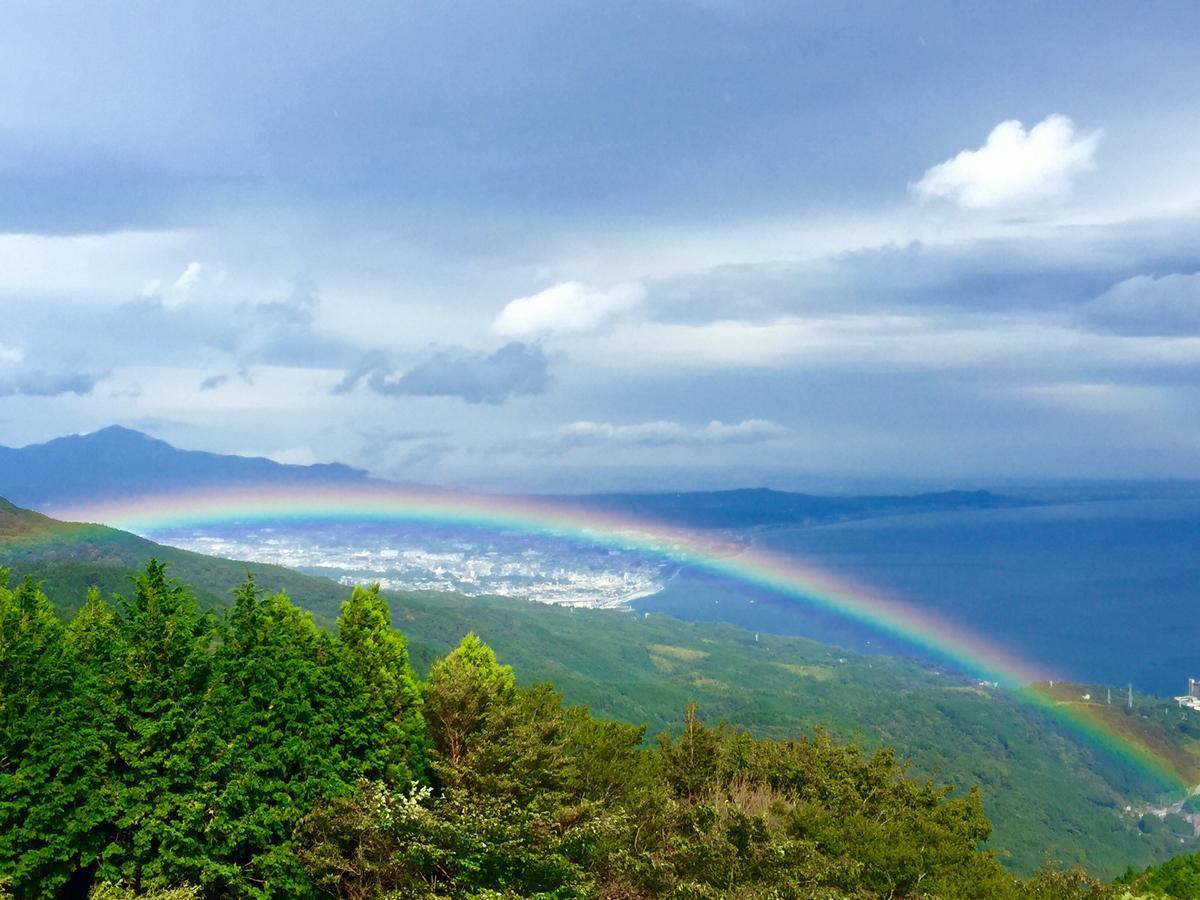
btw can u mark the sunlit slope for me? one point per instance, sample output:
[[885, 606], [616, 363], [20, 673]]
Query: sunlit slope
[[70, 557], [1044, 790]]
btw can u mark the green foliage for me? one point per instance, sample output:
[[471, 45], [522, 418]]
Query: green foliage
[[149, 749], [149, 745], [377, 657], [160, 681], [1175, 878], [710, 813], [69, 559], [271, 745], [108, 891], [35, 841], [1052, 883], [1045, 790], [465, 689]]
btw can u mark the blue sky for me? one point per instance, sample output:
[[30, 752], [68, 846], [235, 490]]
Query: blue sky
[[568, 246]]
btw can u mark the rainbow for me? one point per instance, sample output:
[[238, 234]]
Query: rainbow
[[787, 576]]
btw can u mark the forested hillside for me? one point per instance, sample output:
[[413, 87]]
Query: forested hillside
[[1048, 794], [69, 558], [147, 745]]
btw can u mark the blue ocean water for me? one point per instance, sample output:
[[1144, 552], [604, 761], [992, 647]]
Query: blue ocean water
[[1097, 591]]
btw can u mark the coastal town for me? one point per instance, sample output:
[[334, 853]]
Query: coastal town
[[402, 559]]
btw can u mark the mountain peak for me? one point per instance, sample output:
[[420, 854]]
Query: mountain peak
[[118, 431], [117, 461], [119, 435]]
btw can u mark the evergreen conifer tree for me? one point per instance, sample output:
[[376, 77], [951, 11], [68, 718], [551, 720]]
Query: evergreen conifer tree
[[162, 675], [392, 728]]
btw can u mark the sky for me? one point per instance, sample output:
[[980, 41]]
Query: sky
[[571, 246]]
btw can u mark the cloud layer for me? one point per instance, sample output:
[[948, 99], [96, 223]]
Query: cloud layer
[[663, 433], [37, 383], [766, 258], [515, 369], [1150, 305]]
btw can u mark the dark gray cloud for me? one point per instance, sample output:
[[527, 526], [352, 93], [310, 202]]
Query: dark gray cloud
[[37, 383], [296, 309], [515, 369]]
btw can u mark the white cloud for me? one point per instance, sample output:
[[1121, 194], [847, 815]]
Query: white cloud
[[10, 355], [90, 266], [663, 433], [189, 280], [566, 308], [1013, 166], [195, 278]]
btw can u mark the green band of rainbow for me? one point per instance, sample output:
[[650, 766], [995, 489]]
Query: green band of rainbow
[[787, 576]]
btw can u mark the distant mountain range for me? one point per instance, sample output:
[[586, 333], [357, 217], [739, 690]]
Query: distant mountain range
[[118, 462]]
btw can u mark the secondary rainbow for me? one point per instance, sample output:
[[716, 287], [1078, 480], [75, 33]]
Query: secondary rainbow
[[788, 576]]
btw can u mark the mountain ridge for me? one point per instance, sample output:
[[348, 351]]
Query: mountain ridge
[[116, 461]]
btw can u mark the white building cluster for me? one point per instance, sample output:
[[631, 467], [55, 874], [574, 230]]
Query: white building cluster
[[420, 561], [1191, 700]]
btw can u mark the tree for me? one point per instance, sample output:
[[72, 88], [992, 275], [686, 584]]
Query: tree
[[464, 687], [161, 678], [391, 729], [692, 762], [35, 848], [273, 746]]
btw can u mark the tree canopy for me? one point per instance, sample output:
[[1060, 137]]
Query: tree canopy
[[149, 749]]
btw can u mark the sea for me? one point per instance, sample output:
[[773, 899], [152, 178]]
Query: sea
[[1103, 592], [1097, 591]]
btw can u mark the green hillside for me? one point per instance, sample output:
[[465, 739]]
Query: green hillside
[[68, 558], [151, 750], [1047, 794]]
